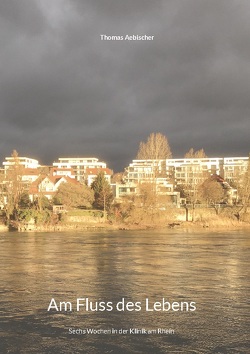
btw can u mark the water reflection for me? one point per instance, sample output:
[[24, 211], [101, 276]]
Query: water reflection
[[208, 268]]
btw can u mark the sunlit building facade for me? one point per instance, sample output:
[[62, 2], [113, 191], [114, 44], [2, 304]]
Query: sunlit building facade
[[187, 170], [79, 165], [26, 162], [234, 168]]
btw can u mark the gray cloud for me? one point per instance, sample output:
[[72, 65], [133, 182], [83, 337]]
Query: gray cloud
[[63, 91]]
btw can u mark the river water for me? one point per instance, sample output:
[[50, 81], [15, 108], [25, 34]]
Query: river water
[[39, 271]]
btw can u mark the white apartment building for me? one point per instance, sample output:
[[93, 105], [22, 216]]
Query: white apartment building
[[234, 168], [144, 170], [26, 162], [177, 171], [190, 170], [147, 171], [187, 170], [121, 190], [79, 165]]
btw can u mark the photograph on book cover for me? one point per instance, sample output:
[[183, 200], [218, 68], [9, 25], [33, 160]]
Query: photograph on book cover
[[125, 176]]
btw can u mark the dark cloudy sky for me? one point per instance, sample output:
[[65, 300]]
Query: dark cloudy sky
[[64, 92]]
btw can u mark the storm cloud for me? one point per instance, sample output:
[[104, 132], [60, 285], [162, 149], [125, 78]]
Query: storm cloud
[[65, 92]]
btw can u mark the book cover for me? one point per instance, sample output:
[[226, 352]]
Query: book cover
[[124, 187]]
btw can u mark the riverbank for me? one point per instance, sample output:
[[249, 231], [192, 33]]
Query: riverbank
[[3, 227], [174, 219], [212, 225]]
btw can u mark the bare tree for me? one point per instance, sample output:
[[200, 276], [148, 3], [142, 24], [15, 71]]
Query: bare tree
[[145, 203], [74, 195], [191, 154], [12, 186], [244, 193], [197, 177], [155, 148], [212, 193], [117, 177]]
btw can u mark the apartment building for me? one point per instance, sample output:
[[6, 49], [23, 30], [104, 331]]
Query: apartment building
[[186, 171], [140, 171], [28, 168], [121, 190], [234, 168], [79, 165], [148, 171], [182, 171], [26, 162], [193, 170]]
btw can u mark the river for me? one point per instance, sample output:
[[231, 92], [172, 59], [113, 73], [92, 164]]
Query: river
[[128, 269]]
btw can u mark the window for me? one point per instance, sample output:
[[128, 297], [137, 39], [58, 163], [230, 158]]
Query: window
[[122, 189]]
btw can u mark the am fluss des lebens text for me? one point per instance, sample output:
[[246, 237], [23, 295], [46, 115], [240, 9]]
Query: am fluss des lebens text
[[87, 305]]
